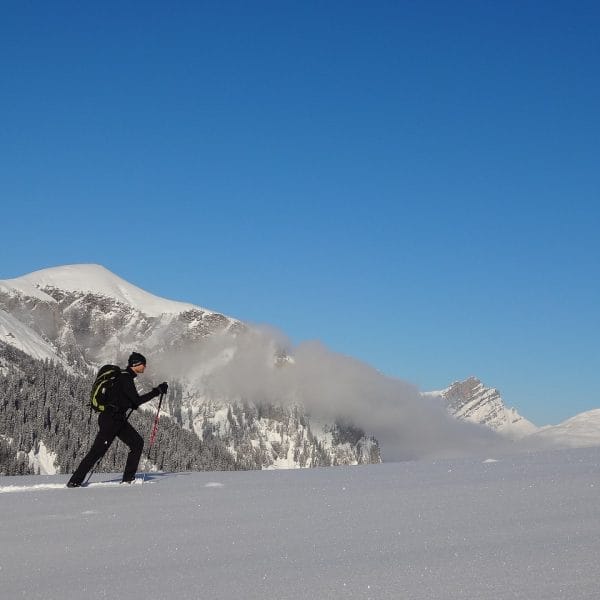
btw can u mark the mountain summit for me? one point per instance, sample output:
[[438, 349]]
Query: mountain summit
[[85, 315], [95, 279]]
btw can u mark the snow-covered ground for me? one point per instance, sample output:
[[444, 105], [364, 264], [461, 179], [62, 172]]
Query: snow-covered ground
[[525, 527]]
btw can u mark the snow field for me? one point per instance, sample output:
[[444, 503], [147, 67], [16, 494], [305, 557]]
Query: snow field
[[521, 527]]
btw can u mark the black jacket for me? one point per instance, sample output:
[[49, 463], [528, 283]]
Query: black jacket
[[124, 394]]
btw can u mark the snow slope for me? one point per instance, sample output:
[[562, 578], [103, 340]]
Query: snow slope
[[97, 280], [17, 334], [524, 527], [577, 432]]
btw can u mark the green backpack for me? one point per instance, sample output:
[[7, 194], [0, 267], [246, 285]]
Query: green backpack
[[100, 396]]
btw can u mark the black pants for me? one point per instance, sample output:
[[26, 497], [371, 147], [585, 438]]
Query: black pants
[[112, 426]]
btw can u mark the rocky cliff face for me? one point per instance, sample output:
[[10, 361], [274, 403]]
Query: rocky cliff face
[[470, 400], [84, 316]]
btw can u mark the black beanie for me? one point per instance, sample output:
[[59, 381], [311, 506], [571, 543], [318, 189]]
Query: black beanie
[[136, 359]]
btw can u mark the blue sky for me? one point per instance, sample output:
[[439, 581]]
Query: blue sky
[[415, 184]]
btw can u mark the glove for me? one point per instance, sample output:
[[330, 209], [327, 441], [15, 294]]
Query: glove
[[162, 388]]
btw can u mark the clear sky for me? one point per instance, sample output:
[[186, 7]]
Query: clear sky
[[415, 184]]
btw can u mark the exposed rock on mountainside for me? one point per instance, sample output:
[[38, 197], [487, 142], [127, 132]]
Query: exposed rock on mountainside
[[470, 400]]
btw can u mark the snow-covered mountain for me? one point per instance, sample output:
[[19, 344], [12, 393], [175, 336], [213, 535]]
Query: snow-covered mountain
[[86, 315], [95, 280], [82, 316], [470, 400], [580, 431]]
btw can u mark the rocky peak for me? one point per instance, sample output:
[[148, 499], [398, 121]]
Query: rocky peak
[[471, 400]]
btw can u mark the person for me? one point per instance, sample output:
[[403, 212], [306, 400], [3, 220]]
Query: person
[[113, 422]]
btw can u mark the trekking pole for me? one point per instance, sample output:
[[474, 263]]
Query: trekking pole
[[155, 426], [100, 459]]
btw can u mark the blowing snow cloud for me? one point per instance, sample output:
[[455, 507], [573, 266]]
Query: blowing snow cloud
[[331, 387]]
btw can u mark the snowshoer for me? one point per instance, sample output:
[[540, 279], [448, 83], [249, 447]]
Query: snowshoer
[[113, 422]]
